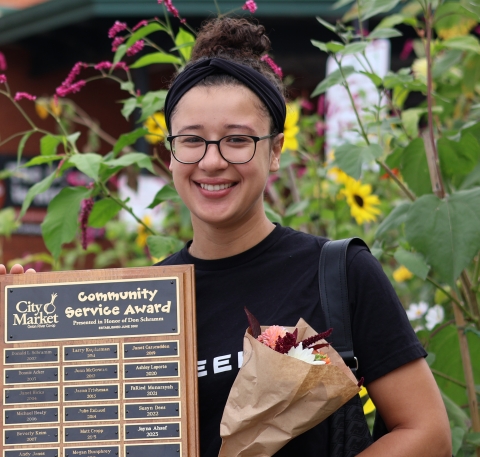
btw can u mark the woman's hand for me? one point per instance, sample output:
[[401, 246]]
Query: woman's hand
[[17, 269], [410, 403]]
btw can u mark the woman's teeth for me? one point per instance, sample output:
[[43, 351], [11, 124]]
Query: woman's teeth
[[212, 187]]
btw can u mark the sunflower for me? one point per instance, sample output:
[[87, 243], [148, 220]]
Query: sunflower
[[361, 201], [157, 128], [142, 232], [44, 106], [457, 28], [291, 127], [402, 274]]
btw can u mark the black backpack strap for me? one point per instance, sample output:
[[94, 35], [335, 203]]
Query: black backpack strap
[[332, 282]]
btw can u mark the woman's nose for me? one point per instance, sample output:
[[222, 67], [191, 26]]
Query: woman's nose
[[213, 158]]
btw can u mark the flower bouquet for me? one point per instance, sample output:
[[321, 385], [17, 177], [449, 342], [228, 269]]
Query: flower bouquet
[[291, 380]]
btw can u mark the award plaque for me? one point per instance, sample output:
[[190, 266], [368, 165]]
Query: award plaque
[[99, 362]]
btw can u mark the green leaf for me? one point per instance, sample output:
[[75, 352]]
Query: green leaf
[[410, 118], [472, 330], [384, 33], [21, 145], [129, 106], [272, 215], [185, 41], [88, 163], [397, 217], [40, 160], [161, 246], [61, 222], [129, 138], [35, 190], [351, 158], [430, 358], [152, 102], [390, 21], [446, 231], [415, 168], [450, 13], [143, 32], [335, 46], [458, 157], [156, 57], [326, 24], [49, 144], [443, 63], [8, 222], [296, 207], [472, 179], [119, 53], [102, 212], [473, 438], [373, 77], [321, 45], [464, 43], [166, 193], [138, 158], [375, 7], [355, 48], [128, 86], [332, 79], [456, 414], [413, 261], [457, 439], [394, 160]]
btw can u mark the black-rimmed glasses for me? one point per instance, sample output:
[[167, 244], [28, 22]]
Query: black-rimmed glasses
[[234, 149]]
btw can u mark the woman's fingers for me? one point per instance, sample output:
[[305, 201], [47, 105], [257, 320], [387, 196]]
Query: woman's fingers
[[17, 269]]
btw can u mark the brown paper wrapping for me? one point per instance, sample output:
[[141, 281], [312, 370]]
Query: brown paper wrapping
[[276, 397]]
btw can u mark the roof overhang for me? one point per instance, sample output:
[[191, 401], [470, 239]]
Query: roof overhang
[[45, 17]]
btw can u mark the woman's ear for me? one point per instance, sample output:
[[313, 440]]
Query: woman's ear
[[277, 146]]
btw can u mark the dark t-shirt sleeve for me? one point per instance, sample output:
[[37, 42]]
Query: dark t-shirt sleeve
[[383, 338]]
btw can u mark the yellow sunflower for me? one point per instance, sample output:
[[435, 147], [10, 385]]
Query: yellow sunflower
[[338, 175], [291, 128], [402, 274], [361, 201], [157, 128], [142, 232], [460, 28], [44, 106]]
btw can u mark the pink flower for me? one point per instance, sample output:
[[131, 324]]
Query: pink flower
[[20, 95], [307, 104], [170, 7], [117, 42], [276, 69], [74, 72], [135, 48], [121, 65], [3, 79], [140, 24], [250, 5], [321, 105], [63, 91], [407, 49], [116, 29], [477, 29], [270, 336], [3, 62], [105, 65]]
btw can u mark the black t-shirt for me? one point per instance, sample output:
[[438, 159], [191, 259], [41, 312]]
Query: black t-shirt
[[277, 280]]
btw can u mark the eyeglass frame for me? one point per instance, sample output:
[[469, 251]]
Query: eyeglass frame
[[256, 139]]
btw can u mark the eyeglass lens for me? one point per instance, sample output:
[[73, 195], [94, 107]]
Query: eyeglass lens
[[234, 148]]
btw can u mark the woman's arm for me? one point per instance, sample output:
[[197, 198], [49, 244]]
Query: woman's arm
[[410, 403]]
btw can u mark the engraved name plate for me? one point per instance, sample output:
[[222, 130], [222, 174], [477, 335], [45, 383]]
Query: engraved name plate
[[31, 355], [152, 390], [31, 375], [31, 395], [152, 431], [154, 450], [97, 392], [31, 436], [90, 352], [94, 451], [91, 433], [90, 372], [37, 452], [151, 370], [152, 410], [30, 416], [91, 413], [150, 349]]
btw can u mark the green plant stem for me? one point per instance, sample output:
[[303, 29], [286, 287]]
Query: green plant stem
[[449, 378], [396, 179], [10, 138], [453, 299], [469, 295], [125, 207], [476, 272]]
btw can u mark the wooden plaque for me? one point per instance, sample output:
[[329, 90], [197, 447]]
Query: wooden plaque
[[99, 363]]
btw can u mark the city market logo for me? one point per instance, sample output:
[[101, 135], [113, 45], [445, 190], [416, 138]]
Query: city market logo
[[36, 315]]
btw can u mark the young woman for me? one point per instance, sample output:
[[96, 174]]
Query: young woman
[[225, 114]]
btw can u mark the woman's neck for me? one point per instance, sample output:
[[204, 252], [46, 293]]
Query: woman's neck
[[211, 243]]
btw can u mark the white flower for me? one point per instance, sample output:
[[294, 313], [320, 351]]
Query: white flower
[[302, 354], [435, 316], [415, 311]]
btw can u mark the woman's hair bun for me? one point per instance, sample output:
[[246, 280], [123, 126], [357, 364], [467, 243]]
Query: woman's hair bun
[[231, 37]]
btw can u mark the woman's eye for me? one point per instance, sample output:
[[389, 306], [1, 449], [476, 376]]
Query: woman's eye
[[191, 140], [237, 140]]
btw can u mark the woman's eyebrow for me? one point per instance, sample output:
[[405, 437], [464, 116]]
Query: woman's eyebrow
[[191, 127], [239, 126]]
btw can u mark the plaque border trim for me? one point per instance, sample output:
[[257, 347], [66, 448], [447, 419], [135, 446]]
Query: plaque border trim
[[179, 437], [21, 444], [154, 377], [91, 379], [65, 421], [23, 349], [151, 356], [30, 402], [92, 399], [151, 396], [65, 427], [5, 410], [150, 444], [90, 447], [6, 384], [89, 359], [153, 418], [35, 449]]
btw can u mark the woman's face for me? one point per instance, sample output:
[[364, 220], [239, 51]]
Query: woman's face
[[237, 195]]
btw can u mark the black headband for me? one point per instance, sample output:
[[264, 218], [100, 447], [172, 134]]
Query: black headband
[[254, 80]]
